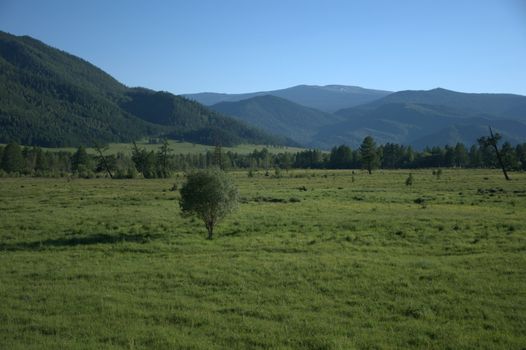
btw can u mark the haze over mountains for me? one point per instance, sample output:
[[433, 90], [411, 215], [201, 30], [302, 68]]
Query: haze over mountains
[[418, 118], [51, 98], [433, 117], [279, 116], [328, 98]]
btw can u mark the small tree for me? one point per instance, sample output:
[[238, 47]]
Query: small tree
[[12, 159], [492, 141], [104, 162], [144, 161], [369, 153], [219, 160], [162, 159], [80, 160], [209, 195], [409, 180], [41, 161]]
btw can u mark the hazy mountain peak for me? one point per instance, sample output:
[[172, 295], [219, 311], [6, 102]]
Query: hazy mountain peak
[[278, 115], [328, 98]]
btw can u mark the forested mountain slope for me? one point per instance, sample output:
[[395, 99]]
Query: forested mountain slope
[[278, 116], [434, 117], [51, 98]]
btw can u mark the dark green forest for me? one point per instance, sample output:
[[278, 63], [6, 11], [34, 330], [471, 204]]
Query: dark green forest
[[33, 161], [50, 98]]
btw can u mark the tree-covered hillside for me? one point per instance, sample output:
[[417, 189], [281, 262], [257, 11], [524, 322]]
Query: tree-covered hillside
[[499, 106], [51, 98], [430, 118], [278, 116], [435, 117]]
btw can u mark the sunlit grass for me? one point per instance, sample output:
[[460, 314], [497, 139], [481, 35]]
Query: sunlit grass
[[312, 260]]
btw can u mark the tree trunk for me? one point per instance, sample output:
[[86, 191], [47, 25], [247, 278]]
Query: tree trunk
[[501, 163], [104, 162], [210, 228], [494, 144]]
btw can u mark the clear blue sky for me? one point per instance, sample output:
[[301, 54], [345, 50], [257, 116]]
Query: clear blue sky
[[249, 45]]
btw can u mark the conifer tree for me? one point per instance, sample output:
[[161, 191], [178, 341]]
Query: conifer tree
[[369, 153], [12, 159], [80, 160]]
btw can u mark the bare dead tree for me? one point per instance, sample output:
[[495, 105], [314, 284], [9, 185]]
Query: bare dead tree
[[103, 159], [493, 141]]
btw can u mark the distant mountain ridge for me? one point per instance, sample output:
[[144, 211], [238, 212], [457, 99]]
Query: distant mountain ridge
[[432, 117], [278, 116], [51, 98], [329, 98], [471, 104], [417, 118]]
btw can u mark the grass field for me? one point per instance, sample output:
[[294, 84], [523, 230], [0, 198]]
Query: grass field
[[178, 147], [369, 263]]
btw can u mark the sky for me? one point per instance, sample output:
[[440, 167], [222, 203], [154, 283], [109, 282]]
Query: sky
[[238, 46]]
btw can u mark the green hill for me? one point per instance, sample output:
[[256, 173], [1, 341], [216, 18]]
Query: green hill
[[278, 116], [51, 98], [434, 117], [418, 118], [498, 106]]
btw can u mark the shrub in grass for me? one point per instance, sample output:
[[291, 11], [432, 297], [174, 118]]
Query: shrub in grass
[[209, 195], [409, 180]]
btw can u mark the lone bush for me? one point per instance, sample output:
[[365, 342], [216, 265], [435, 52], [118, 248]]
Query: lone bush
[[409, 180], [210, 195]]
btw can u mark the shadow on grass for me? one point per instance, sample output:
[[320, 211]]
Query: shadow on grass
[[235, 232], [99, 238]]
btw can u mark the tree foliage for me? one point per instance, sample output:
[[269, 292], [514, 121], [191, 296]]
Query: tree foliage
[[12, 159], [492, 142], [80, 160], [341, 157], [369, 154], [145, 162], [163, 163], [209, 195]]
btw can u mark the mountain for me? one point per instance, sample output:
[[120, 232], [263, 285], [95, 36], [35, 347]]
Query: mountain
[[501, 106], [278, 116], [417, 118], [51, 98], [329, 98], [191, 121], [434, 117]]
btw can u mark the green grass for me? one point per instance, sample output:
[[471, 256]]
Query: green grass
[[91, 264], [178, 147]]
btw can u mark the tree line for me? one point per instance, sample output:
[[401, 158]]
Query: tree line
[[33, 161]]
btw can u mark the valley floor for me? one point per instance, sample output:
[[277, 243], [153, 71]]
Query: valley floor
[[313, 260]]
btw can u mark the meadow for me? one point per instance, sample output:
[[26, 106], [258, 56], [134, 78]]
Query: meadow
[[311, 260], [176, 147]]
